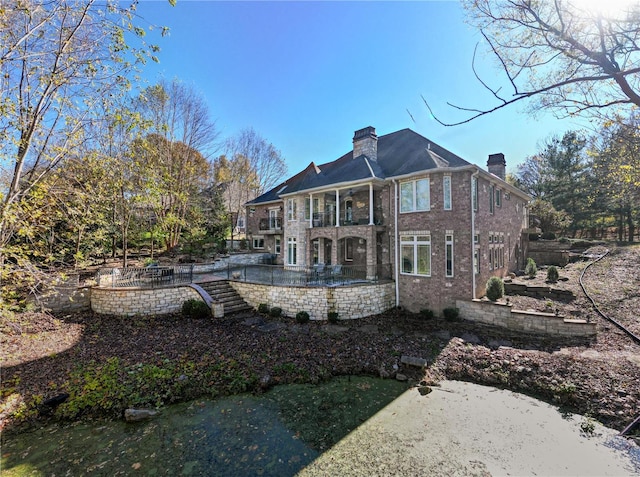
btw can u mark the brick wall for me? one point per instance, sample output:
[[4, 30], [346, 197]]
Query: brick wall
[[139, 301], [438, 291], [349, 302], [531, 322]]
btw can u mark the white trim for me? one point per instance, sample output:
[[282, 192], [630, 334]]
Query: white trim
[[370, 169]]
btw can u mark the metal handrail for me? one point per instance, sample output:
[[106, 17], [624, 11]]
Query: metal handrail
[[144, 277], [318, 275]]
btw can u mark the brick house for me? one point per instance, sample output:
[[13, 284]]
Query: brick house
[[401, 207]]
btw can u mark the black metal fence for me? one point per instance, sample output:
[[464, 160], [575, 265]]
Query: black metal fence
[[147, 277], [318, 275]]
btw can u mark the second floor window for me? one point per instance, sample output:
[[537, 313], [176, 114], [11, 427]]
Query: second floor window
[[446, 188], [492, 195], [292, 209], [474, 193], [415, 196]]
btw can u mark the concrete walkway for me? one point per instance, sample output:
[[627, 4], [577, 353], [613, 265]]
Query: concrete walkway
[[463, 429]]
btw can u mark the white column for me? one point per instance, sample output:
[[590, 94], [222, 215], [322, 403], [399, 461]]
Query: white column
[[370, 203], [310, 210], [337, 208]]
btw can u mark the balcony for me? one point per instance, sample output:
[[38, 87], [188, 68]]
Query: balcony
[[329, 220], [272, 225]]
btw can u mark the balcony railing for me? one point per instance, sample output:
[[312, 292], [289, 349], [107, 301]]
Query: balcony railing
[[272, 223], [147, 277], [318, 275], [328, 219]]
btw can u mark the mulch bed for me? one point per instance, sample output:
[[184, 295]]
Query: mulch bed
[[600, 378]]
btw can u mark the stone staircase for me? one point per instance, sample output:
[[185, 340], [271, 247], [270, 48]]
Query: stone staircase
[[222, 292]]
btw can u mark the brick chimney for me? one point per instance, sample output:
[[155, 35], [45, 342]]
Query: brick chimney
[[496, 165], [365, 142]]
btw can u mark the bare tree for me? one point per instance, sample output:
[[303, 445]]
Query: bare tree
[[560, 54], [265, 161]]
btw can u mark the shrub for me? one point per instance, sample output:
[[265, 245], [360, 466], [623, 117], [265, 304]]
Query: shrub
[[563, 240], [427, 314], [263, 308], [451, 313], [275, 312], [552, 274], [150, 262], [495, 288], [534, 237], [332, 316], [196, 309], [548, 236], [302, 317], [530, 269]]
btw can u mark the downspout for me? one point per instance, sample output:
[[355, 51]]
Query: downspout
[[395, 239], [473, 235]]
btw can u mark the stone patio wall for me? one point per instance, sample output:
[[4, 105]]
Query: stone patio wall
[[503, 315], [349, 302]]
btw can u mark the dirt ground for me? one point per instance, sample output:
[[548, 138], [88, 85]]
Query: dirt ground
[[599, 378]]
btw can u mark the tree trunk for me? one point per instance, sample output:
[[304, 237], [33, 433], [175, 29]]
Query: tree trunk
[[621, 225], [630, 224]]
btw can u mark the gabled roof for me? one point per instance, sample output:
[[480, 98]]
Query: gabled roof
[[400, 153]]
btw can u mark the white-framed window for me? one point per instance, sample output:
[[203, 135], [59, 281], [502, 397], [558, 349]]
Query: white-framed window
[[496, 263], [446, 189], [415, 196], [498, 198], [501, 257], [292, 251], [490, 237], [307, 208], [258, 242], [448, 248], [278, 245], [292, 209], [492, 195], [274, 220], [476, 238], [348, 249], [415, 255], [476, 260], [474, 193], [490, 259]]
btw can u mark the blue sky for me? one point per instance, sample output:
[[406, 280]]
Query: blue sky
[[306, 75]]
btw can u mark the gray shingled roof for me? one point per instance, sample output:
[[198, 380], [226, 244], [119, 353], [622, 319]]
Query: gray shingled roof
[[399, 153]]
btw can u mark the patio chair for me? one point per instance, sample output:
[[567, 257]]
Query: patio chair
[[319, 271], [336, 272]]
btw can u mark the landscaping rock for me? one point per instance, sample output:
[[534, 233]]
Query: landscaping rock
[[424, 390], [413, 361], [136, 415], [401, 377]]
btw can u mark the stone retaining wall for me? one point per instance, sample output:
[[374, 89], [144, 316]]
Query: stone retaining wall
[[538, 291], [349, 302], [528, 321], [63, 297], [548, 252], [141, 301]]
